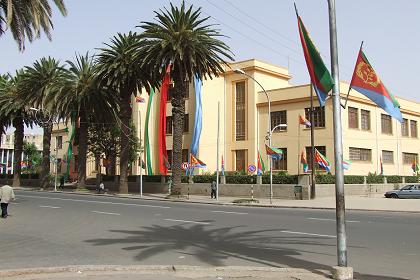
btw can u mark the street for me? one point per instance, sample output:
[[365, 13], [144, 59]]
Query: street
[[56, 229]]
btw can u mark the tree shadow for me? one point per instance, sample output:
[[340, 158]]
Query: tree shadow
[[213, 246]]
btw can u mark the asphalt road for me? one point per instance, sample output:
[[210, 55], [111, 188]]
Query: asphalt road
[[54, 229]]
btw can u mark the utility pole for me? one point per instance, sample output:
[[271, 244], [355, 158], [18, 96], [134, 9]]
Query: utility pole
[[341, 271], [311, 117], [217, 153]]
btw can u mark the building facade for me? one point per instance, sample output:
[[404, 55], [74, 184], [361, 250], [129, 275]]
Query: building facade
[[369, 134]]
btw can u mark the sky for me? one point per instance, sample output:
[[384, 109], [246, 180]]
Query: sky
[[265, 30]]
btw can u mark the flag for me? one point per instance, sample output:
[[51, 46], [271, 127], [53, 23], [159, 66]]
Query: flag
[[273, 152], [196, 163], [304, 162], [261, 165], [366, 82], [162, 153], [198, 116], [346, 164], [146, 133], [320, 76], [322, 161], [140, 99], [382, 167], [304, 121], [415, 166], [223, 167]]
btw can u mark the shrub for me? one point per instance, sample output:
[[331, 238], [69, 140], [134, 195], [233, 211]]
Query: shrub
[[205, 178], [152, 178], [325, 179], [412, 179], [108, 178], [184, 179], [353, 179], [395, 179], [240, 179], [280, 178], [373, 178], [131, 178]]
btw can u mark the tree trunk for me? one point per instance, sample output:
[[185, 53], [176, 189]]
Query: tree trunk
[[18, 147], [46, 146], [82, 153], [98, 169], [125, 115], [178, 111]]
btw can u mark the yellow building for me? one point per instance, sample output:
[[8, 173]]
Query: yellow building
[[369, 134]]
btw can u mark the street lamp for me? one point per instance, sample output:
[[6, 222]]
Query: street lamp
[[242, 72], [282, 125]]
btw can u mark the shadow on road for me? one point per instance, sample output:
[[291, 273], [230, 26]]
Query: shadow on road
[[213, 246]]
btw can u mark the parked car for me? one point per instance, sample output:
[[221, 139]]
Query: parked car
[[408, 191]]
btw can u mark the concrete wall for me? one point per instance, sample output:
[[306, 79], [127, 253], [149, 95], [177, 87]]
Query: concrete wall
[[329, 190]]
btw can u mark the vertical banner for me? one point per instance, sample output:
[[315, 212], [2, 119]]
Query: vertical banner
[[163, 156], [147, 156], [198, 116]]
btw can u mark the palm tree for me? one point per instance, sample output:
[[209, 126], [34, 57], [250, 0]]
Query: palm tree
[[27, 18], [182, 38], [18, 115], [39, 87], [82, 98], [120, 69]]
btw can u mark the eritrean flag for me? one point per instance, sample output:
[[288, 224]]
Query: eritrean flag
[[320, 76], [223, 167], [366, 82], [304, 121], [346, 164], [322, 161], [261, 165], [196, 163], [273, 152]]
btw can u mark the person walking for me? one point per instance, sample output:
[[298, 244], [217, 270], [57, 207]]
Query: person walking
[[101, 188], [213, 189], [6, 195]]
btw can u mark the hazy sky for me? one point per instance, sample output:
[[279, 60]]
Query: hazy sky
[[265, 30]]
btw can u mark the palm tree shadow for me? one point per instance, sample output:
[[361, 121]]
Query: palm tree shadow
[[213, 246]]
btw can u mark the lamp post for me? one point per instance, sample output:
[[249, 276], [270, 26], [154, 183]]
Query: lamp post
[[141, 156], [242, 72], [282, 125]]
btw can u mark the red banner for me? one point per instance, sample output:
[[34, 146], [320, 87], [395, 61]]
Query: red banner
[[163, 155]]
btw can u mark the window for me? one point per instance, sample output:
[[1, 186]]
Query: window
[[186, 123], [240, 160], [185, 155], [170, 158], [240, 111], [279, 117], [319, 116], [321, 149], [59, 142], [169, 125], [409, 158], [386, 124], [281, 164], [387, 156], [353, 117], [359, 154], [59, 165], [413, 128], [76, 163], [365, 119], [404, 127]]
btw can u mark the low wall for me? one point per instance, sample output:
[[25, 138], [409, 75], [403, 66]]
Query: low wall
[[355, 189]]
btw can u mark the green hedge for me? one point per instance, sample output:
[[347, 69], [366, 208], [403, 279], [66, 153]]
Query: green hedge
[[152, 178], [394, 179], [353, 179], [280, 179], [374, 179], [205, 178], [108, 178], [325, 179], [412, 179], [240, 179], [184, 179]]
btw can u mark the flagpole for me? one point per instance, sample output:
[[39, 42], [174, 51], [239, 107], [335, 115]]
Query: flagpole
[[217, 160], [298, 149], [348, 92], [342, 269], [141, 159], [313, 195]]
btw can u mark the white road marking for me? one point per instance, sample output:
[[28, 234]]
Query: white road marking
[[228, 212], [93, 201], [186, 221], [107, 213], [312, 234], [47, 206], [333, 220]]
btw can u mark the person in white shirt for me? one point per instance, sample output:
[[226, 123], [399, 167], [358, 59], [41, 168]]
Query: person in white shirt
[[6, 195]]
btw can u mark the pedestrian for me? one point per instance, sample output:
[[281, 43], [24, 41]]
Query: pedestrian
[[6, 195], [62, 182], [101, 187], [213, 189]]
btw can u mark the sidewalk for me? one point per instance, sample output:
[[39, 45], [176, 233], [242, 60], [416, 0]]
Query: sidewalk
[[162, 273]]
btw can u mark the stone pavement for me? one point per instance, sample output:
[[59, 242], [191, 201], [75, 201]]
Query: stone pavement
[[162, 273]]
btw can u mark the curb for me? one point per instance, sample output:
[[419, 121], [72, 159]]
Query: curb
[[219, 203], [181, 270]]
